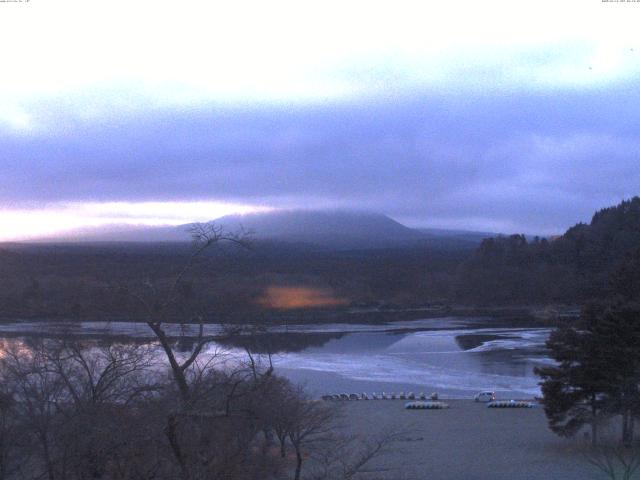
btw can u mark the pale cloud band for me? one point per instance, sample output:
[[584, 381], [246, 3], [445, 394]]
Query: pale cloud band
[[497, 115], [122, 56], [66, 218]]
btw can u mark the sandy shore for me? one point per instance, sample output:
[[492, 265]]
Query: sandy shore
[[468, 441]]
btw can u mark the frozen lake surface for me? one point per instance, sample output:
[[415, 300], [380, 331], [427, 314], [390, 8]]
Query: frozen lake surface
[[445, 361], [453, 356]]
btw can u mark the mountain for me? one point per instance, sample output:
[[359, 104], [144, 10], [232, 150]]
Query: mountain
[[334, 229], [342, 229]]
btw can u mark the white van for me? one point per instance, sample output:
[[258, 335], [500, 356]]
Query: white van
[[487, 396]]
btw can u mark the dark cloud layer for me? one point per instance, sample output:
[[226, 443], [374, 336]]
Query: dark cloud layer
[[516, 161]]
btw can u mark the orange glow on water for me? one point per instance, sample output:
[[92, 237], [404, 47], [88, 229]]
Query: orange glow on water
[[288, 298]]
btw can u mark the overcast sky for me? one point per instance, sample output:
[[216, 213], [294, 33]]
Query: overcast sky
[[500, 116]]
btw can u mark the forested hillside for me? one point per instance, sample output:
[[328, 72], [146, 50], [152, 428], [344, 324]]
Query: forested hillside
[[574, 267]]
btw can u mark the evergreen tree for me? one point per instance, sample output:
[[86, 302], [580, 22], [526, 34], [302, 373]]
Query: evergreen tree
[[624, 283], [574, 389], [597, 373], [618, 342]]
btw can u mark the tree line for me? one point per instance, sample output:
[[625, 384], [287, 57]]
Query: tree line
[[575, 267], [596, 374]]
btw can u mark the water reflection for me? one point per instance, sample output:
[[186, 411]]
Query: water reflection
[[471, 341], [274, 343], [421, 355]]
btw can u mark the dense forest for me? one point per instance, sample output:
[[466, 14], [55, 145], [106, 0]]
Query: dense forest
[[95, 281], [575, 267]]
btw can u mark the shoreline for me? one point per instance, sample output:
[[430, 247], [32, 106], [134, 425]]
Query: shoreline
[[508, 316], [136, 330]]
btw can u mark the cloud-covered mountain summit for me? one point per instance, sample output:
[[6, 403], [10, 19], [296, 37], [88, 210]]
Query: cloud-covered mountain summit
[[332, 228], [339, 229]]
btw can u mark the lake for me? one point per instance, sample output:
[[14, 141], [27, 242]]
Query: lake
[[454, 356]]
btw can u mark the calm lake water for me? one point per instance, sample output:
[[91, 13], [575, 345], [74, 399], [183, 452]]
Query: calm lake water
[[455, 357]]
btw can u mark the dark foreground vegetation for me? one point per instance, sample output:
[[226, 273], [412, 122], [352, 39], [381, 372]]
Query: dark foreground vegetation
[[594, 387], [231, 284], [155, 411], [598, 372], [72, 411], [80, 411], [595, 382]]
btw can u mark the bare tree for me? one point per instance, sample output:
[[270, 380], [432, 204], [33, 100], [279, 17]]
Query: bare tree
[[10, 435], [316, 433], [310, 422], [617, 462], [75, 405], [100, 384], [156, 304], [347, 457], [37, 394], [95, 375], [101, 412], [280, 399]]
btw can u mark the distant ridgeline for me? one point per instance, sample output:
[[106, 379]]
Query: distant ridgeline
[[600, 260], [590, 261]]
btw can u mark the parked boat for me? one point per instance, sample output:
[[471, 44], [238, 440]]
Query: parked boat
[[510, 404], [420, 405]]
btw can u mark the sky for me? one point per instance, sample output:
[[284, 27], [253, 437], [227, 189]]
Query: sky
[[495, 116]]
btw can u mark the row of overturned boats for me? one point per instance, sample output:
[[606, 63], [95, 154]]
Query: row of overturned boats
[[422, 401], [380, 396]]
